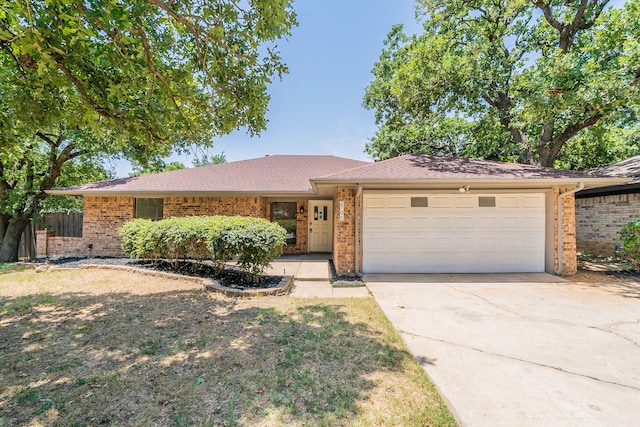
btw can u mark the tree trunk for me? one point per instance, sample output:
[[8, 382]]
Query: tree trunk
[[11, 241], [4, 224]]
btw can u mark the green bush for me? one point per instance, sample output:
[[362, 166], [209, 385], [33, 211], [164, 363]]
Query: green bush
[[255, 241], [630, 236]]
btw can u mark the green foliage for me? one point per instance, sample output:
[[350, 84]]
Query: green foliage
[[133, 79], [210, 159], [630, 236], [255, 241], [156, 167], [161, 73], [511, 79]]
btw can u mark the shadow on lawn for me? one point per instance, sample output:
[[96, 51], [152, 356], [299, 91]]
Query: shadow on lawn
[[183, 358]]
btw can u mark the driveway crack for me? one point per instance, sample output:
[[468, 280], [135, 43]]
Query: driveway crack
[[487, 301], [608, 330], [542, 365]]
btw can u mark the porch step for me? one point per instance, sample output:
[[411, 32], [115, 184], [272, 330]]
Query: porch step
[[313, 270]]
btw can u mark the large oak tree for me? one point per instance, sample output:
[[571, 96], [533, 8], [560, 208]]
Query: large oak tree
[[136, 78], [515, 80]]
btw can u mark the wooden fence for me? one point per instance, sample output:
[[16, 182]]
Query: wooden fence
[[65, 225]]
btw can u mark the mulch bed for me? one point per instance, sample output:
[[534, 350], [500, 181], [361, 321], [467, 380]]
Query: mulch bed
[[228, 278]]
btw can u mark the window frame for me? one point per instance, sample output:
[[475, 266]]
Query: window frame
[[292, 231], [139, 211]]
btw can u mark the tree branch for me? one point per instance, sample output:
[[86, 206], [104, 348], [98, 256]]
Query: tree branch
[[548, 14], [570, 131], [152, 68]]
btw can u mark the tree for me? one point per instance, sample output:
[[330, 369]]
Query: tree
[[156, 167], [136, 79], [210, 159], [515, 80]]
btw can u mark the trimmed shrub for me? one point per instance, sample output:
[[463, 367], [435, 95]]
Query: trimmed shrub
[[255, 241], [630, 236]]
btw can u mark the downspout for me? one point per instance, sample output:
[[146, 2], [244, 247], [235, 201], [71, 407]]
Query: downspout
[[357, 222], [561, 196]]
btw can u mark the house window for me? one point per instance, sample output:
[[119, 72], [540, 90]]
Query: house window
[[149, 209], [285, 214]]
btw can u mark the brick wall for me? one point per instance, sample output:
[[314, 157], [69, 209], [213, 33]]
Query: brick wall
[[188, 206], [569, 251], [103, 216], [600, 219], [69, 246], [48, 244], [344, 232]]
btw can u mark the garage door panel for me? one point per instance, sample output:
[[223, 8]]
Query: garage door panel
[[533, 222], [465, 202], [464, 222], [440, 201], [396, 202], [487, 243], [454, 234], [532, 202], [375, 222], [509, 222], [419, 222], [486, 222], [396, 222], [441, 222], [374, 202], [507, 202]]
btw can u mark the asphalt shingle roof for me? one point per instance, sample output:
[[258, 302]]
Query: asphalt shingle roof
[[269, 174], [629, 167], [426, 166]]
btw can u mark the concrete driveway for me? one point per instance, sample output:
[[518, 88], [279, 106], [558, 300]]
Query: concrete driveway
[[521, 350]]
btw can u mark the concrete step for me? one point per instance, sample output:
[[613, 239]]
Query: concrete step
[[316, 270]]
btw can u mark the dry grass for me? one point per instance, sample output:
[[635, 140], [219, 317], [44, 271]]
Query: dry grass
[[104, 347]]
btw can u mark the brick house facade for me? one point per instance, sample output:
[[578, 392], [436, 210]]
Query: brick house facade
[[291, 179], [599, 220]]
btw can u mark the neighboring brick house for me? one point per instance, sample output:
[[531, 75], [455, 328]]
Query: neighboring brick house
[[414, 213], [601, 212]]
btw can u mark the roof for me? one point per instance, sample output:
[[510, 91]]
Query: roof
[[427, 166], [297, 175], [626, 168], [270, 174], [421, 169]]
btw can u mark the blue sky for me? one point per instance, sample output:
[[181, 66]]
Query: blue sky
[[317, 107]]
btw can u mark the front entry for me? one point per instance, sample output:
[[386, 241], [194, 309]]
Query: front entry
[[320, 225]]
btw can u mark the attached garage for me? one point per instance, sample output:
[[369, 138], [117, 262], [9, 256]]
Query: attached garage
[[426, 232]]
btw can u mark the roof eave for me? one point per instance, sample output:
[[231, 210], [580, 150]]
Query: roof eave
[[186, 193], [590, 182]]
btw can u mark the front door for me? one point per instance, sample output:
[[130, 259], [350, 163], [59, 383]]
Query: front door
[[320, 225]]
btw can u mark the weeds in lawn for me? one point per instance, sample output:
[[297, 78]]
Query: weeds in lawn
[[189, 357]]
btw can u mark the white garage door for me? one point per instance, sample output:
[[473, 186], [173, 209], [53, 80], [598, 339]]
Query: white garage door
[[461, 233]]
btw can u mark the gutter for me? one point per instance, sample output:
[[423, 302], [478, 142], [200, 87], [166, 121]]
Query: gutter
[[357, 242], [560, 233]]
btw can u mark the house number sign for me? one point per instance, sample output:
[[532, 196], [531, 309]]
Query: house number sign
[[341, 210]]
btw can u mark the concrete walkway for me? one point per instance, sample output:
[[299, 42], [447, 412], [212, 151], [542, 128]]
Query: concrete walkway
[[312, 277], [521, 350]]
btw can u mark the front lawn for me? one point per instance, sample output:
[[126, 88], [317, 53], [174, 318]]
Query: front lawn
[[115, 348]]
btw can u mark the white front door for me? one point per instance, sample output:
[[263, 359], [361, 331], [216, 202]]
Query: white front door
[[320, 225]]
